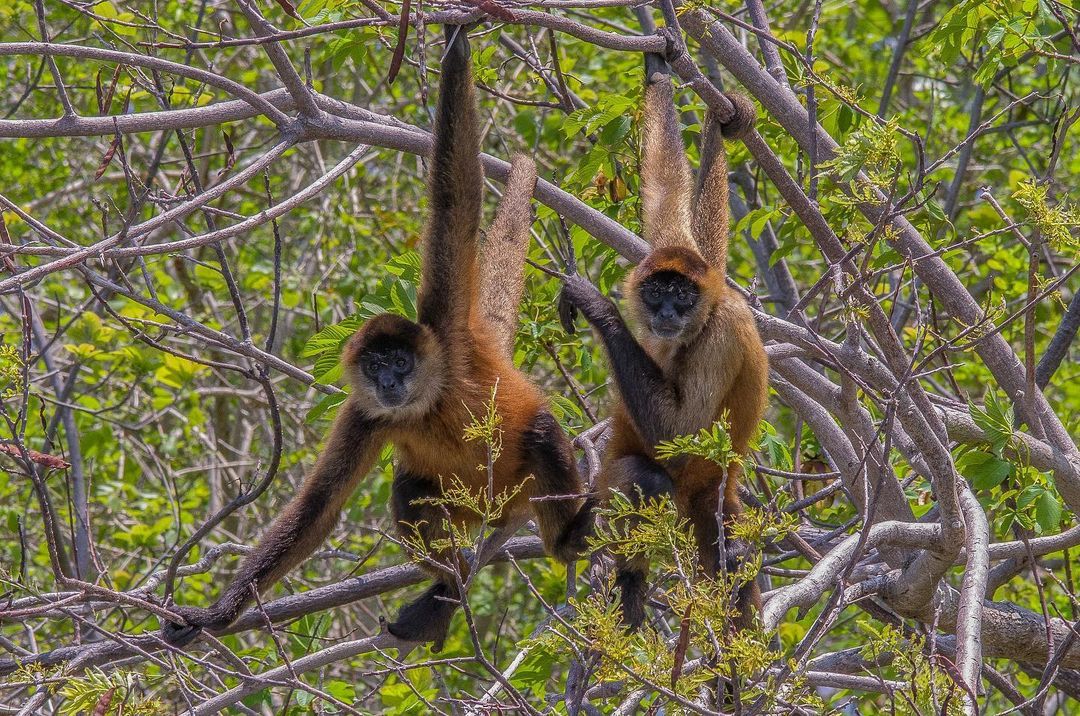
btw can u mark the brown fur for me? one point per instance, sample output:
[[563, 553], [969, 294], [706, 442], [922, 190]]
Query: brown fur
[[460, 361], [666, 183], [502, 259], [717, 364]]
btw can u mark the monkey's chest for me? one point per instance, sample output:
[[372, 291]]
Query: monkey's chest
[[436, 451], [698, 399], [445, 454]]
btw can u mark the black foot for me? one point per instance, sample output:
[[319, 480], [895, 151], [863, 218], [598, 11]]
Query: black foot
[[573, 542], [632, 590], [196, 619], [427, 619], [179, 635]]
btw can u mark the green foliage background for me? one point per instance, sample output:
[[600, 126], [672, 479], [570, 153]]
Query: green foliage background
[[165, 440]]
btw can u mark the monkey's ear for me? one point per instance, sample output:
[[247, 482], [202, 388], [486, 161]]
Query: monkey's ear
[[567, 312]]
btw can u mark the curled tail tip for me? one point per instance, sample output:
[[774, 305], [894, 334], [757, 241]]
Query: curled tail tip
[[742, 119]]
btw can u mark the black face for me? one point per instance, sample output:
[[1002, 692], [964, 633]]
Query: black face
[[669, 298], [389, 369]]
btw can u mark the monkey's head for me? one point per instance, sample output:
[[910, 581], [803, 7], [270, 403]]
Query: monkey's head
[[395, 366], [671, 292]]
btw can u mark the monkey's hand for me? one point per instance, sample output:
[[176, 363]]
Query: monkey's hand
[[598, 309], [573, 543], [674, 44], [567, 312], [196, 619]]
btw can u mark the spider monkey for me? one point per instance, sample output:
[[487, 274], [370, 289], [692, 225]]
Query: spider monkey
[[417, 384], [699, 355]]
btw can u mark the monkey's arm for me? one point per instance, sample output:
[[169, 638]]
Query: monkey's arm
[[502, 260], [711, 210], [351, 450], [649, 396], [455, 184], [666, 183]]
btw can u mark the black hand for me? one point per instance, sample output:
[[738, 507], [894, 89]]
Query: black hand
[[567, 313], [596, 307]]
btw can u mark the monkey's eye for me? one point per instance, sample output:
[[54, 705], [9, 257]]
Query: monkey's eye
[[400, 362]]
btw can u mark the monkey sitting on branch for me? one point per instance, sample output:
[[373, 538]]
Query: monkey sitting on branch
[[698, 356], [418, 385]]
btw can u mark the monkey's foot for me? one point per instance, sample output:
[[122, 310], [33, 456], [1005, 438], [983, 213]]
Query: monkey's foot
[[632, 590], [427, 619], [674, 45], [573, 544], [196, 619]]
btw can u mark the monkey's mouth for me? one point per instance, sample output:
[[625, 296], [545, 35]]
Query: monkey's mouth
[[393, 398], [666, 329]]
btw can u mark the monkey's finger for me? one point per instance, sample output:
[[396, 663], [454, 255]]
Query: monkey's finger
[[567, 312]]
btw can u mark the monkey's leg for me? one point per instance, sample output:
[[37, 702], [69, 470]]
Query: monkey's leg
[[427, 618], [700, 508], [564, 523], [640, 479], [748, 599]]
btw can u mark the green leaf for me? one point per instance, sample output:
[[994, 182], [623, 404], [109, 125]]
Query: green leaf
[[997, 32], [1029, 495], [615, 130], [328, 402], [330, 338], [845, 118], [341, 690], [754, 221], [789, 244], [995, 419], [327, 368], [983, 469], [534, 672], [1048, 512], [887, 257]]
